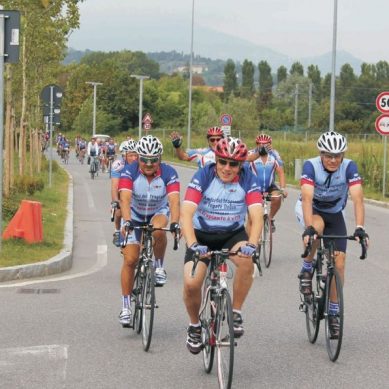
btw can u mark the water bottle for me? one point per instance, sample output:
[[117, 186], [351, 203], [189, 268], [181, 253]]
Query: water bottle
[[223, 269]]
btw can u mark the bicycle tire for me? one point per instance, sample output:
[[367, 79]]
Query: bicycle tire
[[225, 340], [148, 307], [136, 303], [267, 241], [207, 319], [312, 311], [334, 345]]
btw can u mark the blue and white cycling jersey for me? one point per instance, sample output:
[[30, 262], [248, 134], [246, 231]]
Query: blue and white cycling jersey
[[331, 189], [265, 171], [148, 196], [274, 153], [221, 206], [111, 149], [201, 156]]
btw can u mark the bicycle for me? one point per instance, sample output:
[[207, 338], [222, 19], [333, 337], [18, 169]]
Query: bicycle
[[94, 167], [265, 246], [111, 158], [316, 305], [217, 327], [143, 302]]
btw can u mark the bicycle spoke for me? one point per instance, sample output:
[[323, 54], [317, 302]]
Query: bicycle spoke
[[267, 241], [225, 341], [313, 306]]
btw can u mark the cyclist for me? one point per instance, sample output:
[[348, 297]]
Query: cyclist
[[265, 167], [111, 150], [129, 155], [81, 149], [149, 193], [65, 148], [325, 183], [201, 156], [93, 149], [212, 218]]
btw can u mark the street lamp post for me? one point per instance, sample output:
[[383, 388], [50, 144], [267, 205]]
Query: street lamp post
[[190, 79], [94, 103], [333, 70], [140, 78]]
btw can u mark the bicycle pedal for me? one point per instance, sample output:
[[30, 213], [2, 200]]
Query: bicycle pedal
[[303, 308]]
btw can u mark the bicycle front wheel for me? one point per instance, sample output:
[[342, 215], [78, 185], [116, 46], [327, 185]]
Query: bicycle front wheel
[[225, 340], [267, 241], [334, 338], [207, 319], [148, 306], [312, 312]]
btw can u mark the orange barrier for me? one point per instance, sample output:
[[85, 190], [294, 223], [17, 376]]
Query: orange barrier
[[26, 223]]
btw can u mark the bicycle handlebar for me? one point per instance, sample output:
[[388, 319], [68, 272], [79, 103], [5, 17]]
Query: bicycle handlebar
[[149, 227], [362, 242]]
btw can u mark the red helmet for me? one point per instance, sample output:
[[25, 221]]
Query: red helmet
[[215, 131], [231, 148], [262, 139]]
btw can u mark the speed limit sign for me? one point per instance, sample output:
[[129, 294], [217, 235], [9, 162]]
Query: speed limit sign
[[382, 102]]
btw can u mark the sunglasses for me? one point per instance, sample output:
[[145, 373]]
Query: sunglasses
[[149, 160], [213, 140], [224, 162], [332, 156]]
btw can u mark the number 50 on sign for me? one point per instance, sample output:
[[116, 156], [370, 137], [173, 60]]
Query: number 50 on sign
[[382, 102]]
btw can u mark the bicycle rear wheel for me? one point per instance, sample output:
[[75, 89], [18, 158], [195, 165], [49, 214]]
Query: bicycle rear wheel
[[334, 343], [225, 340], [267, 241], [312, 311], [207, 319], [148, 306], [136, 303]]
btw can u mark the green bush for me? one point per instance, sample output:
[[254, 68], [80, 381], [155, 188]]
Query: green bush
[[9, 207], [27, 184]]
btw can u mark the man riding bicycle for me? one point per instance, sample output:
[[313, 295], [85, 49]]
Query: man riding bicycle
[[265, 167], [149, 193], [201, 156], [129, 155], [325, 183], [212, 217]]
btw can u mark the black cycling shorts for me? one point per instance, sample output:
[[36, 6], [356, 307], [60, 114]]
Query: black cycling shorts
[[334, 224], [217, 241]]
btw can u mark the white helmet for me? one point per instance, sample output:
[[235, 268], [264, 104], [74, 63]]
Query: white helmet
[[149, 146], [332, 142], [128, 146]]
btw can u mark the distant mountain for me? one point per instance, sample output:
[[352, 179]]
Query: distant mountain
[[74, 56]]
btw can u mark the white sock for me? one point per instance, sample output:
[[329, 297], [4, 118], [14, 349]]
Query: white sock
[[195, 325]]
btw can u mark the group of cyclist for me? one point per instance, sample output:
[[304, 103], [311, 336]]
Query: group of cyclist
[[104, 151], [223, 197]]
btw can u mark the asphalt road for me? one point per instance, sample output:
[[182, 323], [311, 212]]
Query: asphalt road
[[63, 332]]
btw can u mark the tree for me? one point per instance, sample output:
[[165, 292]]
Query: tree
[[315, 76], [282, 73], [247, 89], [265, 84], [230, 79], [297, 68]]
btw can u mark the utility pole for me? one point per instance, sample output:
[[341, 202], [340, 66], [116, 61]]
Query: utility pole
[[95, 84], [309, 105], [140, 78], [190, 80], [333, 76], [296, 102]]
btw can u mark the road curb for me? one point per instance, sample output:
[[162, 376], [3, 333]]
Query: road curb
[[57, 264]]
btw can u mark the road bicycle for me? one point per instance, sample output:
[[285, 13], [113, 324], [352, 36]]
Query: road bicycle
[[94, 167], [111, 158], [265, 245], [217, 327], [326, 287], [143, 302]]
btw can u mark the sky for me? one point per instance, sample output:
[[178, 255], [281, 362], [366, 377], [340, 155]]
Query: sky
[[296, 28]]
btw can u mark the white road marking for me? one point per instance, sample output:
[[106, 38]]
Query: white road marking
[[91, 203], [102, 260], [17, 363]]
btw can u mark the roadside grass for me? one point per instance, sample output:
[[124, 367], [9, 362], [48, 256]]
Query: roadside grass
[[54, 202]]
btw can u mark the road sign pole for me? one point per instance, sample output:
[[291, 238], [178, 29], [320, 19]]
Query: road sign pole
[[1, 119], [51, 132], [384, 175]]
